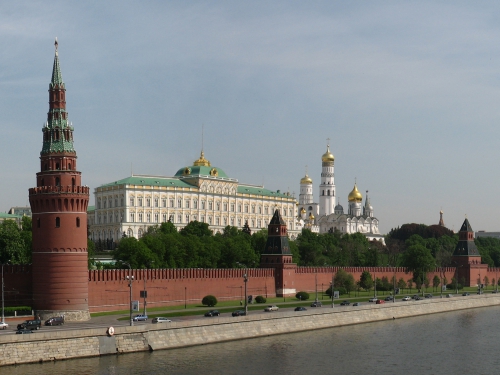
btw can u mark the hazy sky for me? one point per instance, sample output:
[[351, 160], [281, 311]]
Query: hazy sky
[[408, 93]]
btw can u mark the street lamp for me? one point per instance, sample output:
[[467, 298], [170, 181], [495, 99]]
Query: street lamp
[[316, 284], [331, 290], [284, 291], [3, 306], [185, 294], [130, 278], [245, 279]]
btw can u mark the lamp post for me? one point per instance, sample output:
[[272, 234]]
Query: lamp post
[[185, 294], [322, 292], [284, 290], [245, 279], [394, 286], [496, 280], [331, 290], [316, 284], [130, 278], [3, 307]]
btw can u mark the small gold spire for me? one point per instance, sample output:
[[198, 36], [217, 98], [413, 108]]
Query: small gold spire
[[202, 162]]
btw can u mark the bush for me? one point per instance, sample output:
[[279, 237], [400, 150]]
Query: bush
[[21, 310], [453, 286], [303, 296], [260, 299], [209, 301]]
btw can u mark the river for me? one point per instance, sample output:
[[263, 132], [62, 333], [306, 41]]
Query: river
[[460, 342]]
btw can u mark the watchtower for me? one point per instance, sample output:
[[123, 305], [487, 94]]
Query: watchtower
[[59, 211]]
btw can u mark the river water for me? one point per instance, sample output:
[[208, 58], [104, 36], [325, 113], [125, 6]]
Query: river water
[[460, 342]]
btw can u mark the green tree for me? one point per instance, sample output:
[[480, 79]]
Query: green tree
[[417, 258], [135, 253], [436, 281], [401, 284], [366, 281], [13, 248]]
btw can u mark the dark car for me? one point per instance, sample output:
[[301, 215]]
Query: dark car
[[418, 298], [23, 331], [380, 301], [238, 313], [345, 303], [316, 304], [300, 308], [55, 321], [465, 294], [428, 295], [212, 313], [140, 318], [356, 303], [30, 324], [388, 298]]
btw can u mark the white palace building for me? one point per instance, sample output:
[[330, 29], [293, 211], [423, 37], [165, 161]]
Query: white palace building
[[198, 192]]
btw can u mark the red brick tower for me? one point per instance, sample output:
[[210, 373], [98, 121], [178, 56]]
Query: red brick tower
[[59, 206], [277, 255], [466, 258]]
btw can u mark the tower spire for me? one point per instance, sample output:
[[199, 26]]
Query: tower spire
[[56, 69]]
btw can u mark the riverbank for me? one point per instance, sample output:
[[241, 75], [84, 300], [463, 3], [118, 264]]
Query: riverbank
[[57, 345]]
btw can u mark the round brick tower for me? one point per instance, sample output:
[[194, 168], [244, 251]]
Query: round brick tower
[[59, 206]]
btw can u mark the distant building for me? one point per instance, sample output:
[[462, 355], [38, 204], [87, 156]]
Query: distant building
[[7, 216], [482, 233], [20, 211]]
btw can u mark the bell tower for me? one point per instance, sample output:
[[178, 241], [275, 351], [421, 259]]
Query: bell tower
[[277, 255], [59, 207]]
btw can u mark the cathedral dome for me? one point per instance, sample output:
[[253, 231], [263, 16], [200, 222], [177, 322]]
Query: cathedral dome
[[355, 195], [328, 156], [339, 207], [306, 180], [311, 216]]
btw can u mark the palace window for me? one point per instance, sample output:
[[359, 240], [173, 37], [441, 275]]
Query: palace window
[[239, 208], [232, 221], [157, 218], [217, 221], [139, 202], [202, 205], [148, 202], [132, 202], [148, 218], [225, 206], [187, 218], [140, 218], [164, 218], [253, 209], [195, 204], [164, 203], [179, 203], [186, 204], [116, 202], [179, 218], [132, 218], [232, 207], [210, 205], [260, 209], [202, 218], [157, 203], [246, 208], [218, 206]]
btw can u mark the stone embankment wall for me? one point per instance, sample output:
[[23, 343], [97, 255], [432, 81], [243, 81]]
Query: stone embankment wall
[[58, 345]]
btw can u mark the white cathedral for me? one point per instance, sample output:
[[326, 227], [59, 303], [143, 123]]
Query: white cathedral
[[328, 216]]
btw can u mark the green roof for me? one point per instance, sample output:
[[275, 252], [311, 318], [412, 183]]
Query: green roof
[[150, 181], [257, 190], [4, 215], [90, 208], [195, 170]]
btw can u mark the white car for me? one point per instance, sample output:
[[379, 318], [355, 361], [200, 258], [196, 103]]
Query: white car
[[407, 298], [373, 299], [271, 308], [3, 325], [161, 319]]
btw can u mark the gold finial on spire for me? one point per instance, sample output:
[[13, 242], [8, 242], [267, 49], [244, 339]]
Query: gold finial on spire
[[56, 45]]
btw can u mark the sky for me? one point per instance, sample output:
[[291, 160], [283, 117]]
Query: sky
[[407, 93]]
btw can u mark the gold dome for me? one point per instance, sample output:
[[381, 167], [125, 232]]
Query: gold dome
[[202, 162], [311, 216], [355, 195], [302, 211], [328, 156], [306, 180]]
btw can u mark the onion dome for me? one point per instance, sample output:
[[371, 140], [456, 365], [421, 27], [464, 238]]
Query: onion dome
[[306, 180], [202, 162], [339, 209], [303, 211], [328, 156], [311, 216], [355, 195]]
